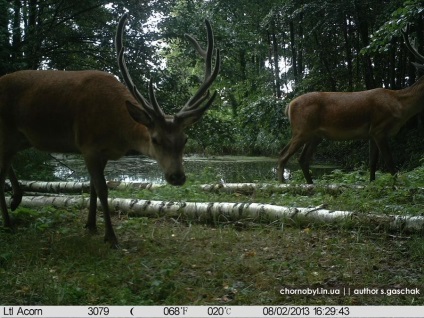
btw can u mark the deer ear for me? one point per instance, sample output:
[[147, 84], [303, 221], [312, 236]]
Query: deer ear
[[139, 114]]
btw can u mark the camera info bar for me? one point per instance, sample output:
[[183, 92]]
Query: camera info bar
[[210, 311]]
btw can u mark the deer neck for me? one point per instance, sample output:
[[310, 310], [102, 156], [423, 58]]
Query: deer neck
[[141, 141], [412, 98]]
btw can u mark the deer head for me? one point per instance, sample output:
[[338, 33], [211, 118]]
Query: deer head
[[167, 134]]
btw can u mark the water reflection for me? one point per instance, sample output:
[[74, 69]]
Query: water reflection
[[143, 169]]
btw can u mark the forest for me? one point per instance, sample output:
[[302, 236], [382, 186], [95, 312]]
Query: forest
[[207, 243], [272, 51]]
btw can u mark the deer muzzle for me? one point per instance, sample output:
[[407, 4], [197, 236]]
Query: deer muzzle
[[176, 178]]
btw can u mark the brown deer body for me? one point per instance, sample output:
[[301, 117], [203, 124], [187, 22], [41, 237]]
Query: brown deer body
[[92, 113], [375, 114]]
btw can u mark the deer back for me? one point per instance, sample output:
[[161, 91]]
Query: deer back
[[64, 111]]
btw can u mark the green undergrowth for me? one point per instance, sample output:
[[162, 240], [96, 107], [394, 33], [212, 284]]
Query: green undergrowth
[[51, 260], [402, 194]]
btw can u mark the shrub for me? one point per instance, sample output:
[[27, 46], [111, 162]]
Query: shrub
[[264, 128]]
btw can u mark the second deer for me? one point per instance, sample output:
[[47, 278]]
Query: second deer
[[375, 114]]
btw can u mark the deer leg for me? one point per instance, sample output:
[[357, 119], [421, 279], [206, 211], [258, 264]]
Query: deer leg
[[383, 146], [281, 164], [17, 191], [374, 154], [306, 156], [91, 221], [285, 154], [4, 168], [96, 166]]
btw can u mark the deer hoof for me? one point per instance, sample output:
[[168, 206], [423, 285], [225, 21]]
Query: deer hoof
[[92, 229], [113, 241]]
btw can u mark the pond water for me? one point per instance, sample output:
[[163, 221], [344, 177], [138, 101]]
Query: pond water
[[142, 169]]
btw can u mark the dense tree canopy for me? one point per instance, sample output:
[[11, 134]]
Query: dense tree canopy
[[273, 50]]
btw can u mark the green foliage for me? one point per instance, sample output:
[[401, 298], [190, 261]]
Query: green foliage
[[32, 164], [212, 135], [324, 45], [409, 12], [51, 260], [263, 126], [319, 46]]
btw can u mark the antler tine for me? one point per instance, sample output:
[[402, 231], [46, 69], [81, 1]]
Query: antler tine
[[128, 81], [156, 107], [411, 48], [206, 54], [210, 75], [154, 110], [203, 89], [197, 110]]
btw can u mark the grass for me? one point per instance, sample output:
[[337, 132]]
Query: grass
[[51, 260]]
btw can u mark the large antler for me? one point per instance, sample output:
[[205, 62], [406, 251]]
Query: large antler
[[152, 108], [195, 107], [412, 49]]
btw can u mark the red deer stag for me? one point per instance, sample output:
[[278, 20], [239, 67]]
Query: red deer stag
[[92, 113], [375, 114]]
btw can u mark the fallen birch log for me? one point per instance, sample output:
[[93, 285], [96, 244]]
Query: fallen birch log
[[80, 187], [244, 188], [247, 188], [226, 211], [120, 185], [55, 186]]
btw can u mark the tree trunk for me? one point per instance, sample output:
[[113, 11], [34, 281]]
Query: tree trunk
[[300, 48], [362, 14], [245, 188], [4, 38], [276, 62], [80, 187], [348, 50], [16, 33], [293, 53], [218, 212], [33, 41], [250, 188]]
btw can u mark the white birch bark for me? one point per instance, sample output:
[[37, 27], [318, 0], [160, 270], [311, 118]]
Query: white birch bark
[[279, 188], [80, 187], [84, 187], [246, 188], [227, 211], [55, 187]]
